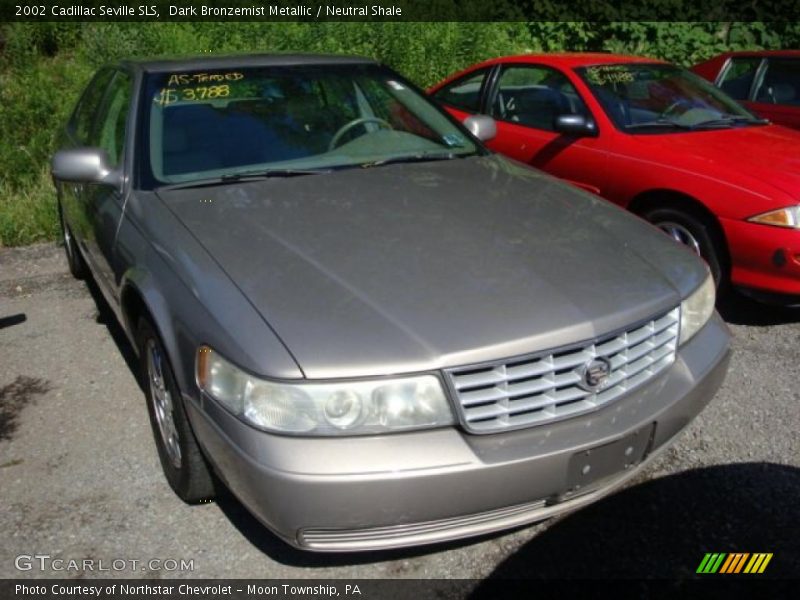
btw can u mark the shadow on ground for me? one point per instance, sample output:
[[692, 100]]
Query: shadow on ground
[[738, 309], [663, 528], [16, 396], [105, 316]]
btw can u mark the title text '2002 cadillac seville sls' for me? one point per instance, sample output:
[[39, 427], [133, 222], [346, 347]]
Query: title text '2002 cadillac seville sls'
[[374, 331]]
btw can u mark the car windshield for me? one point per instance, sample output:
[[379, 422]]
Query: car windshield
[[288, 120], [647, 98]]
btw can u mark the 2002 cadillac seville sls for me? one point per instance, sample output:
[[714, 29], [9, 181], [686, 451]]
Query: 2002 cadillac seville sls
[[374, 331]]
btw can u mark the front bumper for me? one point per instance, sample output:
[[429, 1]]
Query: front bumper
[[366, 493], [764, 259]]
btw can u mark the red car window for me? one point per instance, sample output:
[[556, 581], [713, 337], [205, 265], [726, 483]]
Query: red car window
[[535, 96], [781, 83], [737, 77], [464, 93]]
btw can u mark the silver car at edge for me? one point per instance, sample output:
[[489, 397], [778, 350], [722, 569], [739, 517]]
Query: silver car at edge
[[372, 330]]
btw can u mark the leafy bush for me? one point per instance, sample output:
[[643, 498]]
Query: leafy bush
[[44, 67]]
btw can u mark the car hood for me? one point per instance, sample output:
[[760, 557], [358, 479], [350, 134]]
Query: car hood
[[753, 156], [411, 267]]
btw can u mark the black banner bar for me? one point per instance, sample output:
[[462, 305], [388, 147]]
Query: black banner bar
[[396, 589], [399, 10]]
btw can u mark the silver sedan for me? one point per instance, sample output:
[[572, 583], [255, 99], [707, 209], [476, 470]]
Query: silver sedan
[[375, 332]]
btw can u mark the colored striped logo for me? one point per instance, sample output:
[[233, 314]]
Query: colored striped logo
[[735, 562]]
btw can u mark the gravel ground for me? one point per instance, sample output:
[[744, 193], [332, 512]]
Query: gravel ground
[[80, 478]]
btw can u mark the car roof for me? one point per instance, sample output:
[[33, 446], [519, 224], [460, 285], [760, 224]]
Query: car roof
[[231, 61], [777, 53], [573, 59]]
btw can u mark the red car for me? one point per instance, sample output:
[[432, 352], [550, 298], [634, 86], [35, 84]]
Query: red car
[[765, 81], [659, 140]]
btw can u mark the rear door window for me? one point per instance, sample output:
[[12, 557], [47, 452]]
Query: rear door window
[[780, 83]]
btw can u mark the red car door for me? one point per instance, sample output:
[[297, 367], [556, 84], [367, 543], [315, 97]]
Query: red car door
[[525, 101]]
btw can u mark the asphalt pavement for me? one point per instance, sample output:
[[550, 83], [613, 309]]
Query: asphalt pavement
[[80, 479]]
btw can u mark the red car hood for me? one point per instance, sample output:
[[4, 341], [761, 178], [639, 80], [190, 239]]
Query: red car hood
[[750, 156]]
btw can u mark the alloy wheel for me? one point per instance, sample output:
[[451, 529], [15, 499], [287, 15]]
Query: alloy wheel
[[163, 403], [680, 234]]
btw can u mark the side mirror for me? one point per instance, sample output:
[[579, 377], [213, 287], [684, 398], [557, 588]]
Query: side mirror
[[575, 125], [84, 165], [481, 126]]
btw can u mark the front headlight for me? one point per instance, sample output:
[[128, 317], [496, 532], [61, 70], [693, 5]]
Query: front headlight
[[783, 217], [697, 309], [339, 408]]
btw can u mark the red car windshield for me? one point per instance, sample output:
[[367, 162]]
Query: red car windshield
[[646, 98]]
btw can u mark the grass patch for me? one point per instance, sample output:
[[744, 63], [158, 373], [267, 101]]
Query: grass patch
[[28, 214]]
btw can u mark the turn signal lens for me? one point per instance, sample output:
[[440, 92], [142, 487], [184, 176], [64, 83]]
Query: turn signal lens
[[203, 355], [783, 217]]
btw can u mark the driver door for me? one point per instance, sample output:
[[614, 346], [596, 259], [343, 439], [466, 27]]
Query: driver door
[[79, 132], [525, 101], [102, 204]]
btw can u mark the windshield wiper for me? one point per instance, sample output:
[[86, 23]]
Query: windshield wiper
[[243, 176], [660, 124], [411, 158], [723, 121], [729, 121]]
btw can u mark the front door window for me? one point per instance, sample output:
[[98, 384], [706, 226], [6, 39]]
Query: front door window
[[534, 96]]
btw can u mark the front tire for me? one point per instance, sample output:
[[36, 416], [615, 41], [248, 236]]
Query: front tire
[[183, 463], [698, 234]]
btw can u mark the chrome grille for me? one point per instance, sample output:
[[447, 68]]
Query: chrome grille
[[531, 391]]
